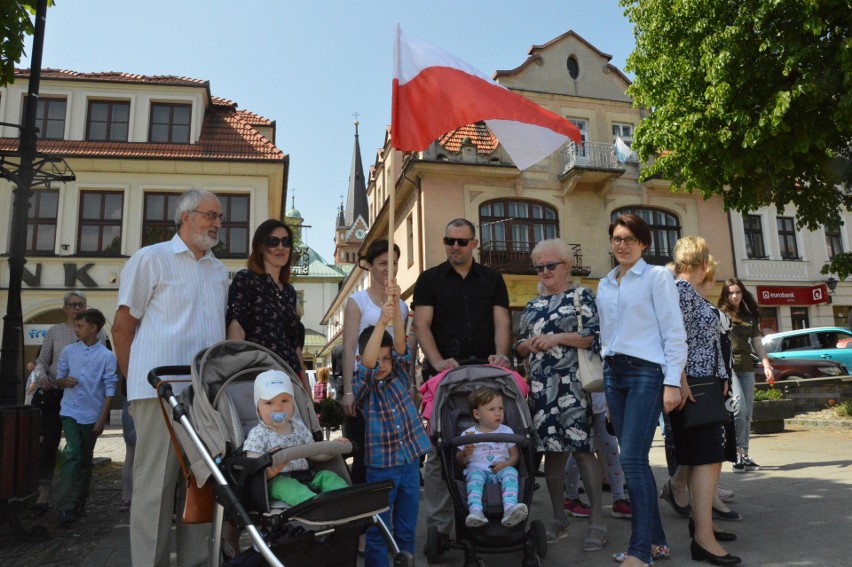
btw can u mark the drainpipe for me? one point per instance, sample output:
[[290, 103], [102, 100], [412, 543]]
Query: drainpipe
[[733, 249]]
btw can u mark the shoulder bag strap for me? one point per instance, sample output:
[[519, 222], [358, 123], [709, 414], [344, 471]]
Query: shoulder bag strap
[[577, 309], [175, 443]]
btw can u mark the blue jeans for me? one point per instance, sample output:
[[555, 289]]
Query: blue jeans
[[401, 518], [634, 394], [743, 391]]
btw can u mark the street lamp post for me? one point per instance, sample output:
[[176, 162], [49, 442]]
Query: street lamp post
[[12, 358]]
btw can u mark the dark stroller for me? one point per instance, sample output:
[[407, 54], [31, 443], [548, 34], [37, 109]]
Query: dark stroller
[[450, 417], [216, 414]]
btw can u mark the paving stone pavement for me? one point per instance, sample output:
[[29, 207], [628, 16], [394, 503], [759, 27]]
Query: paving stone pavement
[[795, 509]]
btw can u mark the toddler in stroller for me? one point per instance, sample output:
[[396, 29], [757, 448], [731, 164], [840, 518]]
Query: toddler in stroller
[[216, 412], [279, 427], [488, 463], [451, 417]]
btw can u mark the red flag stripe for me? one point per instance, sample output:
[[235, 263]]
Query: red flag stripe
[[440, 99]]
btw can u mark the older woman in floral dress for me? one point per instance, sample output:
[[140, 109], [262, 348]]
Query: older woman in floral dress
[[562, 411]]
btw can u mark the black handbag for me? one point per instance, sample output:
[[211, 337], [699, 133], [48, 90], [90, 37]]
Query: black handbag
[[48, 400], [709, 405]]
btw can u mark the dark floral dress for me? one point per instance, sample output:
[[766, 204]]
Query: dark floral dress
[[561, 410], [267, 315], [706, 444]]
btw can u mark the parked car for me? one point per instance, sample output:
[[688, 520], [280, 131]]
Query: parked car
[[798, 368], [816, 342]]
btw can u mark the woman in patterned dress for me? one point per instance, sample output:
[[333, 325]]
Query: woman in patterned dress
[[562, 411], [700, 448], [261, 300]]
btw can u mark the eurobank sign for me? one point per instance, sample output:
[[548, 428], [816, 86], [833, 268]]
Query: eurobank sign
[[792, 295]]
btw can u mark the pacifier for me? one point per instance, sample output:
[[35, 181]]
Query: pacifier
[[278, 416]]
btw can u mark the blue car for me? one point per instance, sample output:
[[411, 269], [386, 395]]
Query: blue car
[[816, 342]]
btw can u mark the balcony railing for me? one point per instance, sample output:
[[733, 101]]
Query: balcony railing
[[590, 156], [514, 257]]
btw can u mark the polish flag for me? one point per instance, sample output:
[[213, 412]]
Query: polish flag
[[435, 92]]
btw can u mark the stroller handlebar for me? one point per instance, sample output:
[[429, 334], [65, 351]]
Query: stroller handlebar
[[462, 440], [156, 374], [319, 451]]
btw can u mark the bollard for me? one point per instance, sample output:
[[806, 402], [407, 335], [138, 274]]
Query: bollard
[[20, 429]]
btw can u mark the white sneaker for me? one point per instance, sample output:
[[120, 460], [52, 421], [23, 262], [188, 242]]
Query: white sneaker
[[476, 519], [514, 516]]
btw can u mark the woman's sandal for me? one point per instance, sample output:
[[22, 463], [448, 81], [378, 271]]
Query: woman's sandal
[[593, 543]]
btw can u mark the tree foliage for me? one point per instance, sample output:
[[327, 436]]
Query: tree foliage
[[16, 23], [749, 100]]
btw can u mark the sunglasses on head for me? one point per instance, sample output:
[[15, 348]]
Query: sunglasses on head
[[550, 266], [274, 241], [461, 241]]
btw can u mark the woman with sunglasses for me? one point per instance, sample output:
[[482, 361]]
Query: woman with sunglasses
[[48, 396], [362, 310], [561, 410], [644, 349], [261, 300]]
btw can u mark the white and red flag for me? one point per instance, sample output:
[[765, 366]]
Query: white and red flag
[[435, 92]]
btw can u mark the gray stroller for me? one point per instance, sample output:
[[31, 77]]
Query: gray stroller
[[216, 413], [450, 417]]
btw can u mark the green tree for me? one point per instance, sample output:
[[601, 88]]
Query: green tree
[[16, 22], [749, 100]]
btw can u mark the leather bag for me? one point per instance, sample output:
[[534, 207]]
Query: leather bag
[[198, 504], [709, 406], [589, 363]]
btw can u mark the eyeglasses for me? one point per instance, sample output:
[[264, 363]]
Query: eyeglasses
[[461, 241], [629, 240], [211, 215], [550, 266], [274, 241], [76, 305]]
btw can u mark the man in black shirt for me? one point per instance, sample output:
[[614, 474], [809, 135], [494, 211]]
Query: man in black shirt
[[462, 312]]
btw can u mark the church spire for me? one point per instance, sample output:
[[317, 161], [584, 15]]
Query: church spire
[[356, 201]]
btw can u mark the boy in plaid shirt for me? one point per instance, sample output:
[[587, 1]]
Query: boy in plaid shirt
[[394, 438]]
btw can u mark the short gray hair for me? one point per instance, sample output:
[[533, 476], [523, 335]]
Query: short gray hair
[[557, 245], [76, 292], [189, 201]]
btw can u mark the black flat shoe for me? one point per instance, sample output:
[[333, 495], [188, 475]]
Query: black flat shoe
[[667, 494], [730, 515], [720, 536], [701, 554]]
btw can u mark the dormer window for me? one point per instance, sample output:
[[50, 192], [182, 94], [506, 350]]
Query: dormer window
[[108, 121], [170, 123]]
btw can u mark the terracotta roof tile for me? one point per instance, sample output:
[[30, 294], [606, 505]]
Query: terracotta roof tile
[[115, 77], [253, 118], [481, 136], [224, 136]]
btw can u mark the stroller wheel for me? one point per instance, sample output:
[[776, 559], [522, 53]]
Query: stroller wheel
[[403, 559], [432, 545], [539, 537]]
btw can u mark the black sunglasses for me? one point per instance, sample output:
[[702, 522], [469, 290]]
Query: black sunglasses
[[274, 241], [461, 241], [550, 266]]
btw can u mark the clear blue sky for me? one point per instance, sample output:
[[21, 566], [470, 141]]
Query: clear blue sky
[[310, 65]]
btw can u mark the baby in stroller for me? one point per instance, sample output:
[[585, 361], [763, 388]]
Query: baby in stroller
[[278, 427], [490, 462]]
